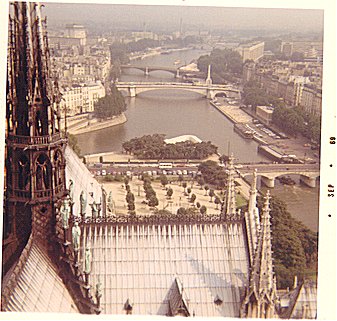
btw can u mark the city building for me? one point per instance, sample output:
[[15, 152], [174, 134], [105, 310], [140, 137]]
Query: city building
[[77, 32], [265, 113], [248, 72], [251, 51], [81, 98], [297, 83], [64, 251], [287, 48], [311, 100]]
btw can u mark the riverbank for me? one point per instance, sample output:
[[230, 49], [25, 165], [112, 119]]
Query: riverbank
[[297, 147], [233, 113], [87, 125], [154, 52]]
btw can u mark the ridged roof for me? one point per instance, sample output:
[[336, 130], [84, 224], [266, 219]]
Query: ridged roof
[[141, 262], [35, 284]]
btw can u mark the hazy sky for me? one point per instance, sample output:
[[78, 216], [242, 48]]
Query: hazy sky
[[136, 15]]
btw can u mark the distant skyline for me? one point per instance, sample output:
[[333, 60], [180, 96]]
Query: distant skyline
[[149, 16]]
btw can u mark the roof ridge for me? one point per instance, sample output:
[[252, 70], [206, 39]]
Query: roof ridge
[[10, 283]]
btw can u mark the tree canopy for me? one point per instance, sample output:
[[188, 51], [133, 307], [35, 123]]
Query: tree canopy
[[295, 120], [294, 245], [112, 104], [154, 147], [225, 63], [213, 174]]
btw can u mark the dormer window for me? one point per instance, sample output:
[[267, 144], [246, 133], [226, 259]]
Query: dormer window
[[218, 300]]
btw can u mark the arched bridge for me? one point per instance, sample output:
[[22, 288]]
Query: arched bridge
[[268, 172], [177, 71], [208, 91]]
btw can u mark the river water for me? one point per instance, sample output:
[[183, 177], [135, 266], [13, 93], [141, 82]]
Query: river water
[[178, 112]]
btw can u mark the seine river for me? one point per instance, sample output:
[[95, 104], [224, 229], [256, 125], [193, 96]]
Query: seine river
[[178, 112]]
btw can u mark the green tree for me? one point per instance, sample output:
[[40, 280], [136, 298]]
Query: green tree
[[292, 245], [206, 189], [130, 197], [223, 159], [184, 187], [217, 202], [118, 52], [131, 206], [225, 64], [181, 211], [153, 201], [211, 194], [201, 182], [154, 146], [189, 190], [169, 192], [193, 198], [163, 180], [203, 209], [213, 173], [112, 104]]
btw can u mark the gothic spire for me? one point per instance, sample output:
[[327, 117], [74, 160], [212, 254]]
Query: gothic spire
[[229, 209], [31, 96], [264, 253], [261, 296], [252, 218]]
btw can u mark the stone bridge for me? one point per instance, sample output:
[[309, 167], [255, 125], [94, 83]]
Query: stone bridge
[[177, 71], [308, 172], [207, 90]]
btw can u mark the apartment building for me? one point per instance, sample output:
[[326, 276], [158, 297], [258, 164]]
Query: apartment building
[[251, 51], [311, 100], [298, 84], [81, 98]]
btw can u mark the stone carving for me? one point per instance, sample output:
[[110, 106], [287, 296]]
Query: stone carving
[[71, 189], [65, 212], [94, 208], [110, 205], [87, 260], [83, 203], [76, 235]]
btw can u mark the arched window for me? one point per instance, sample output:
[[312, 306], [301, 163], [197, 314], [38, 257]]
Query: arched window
[[43, 172], [23, 172]]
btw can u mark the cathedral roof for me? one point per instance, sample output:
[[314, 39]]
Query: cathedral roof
[[83, 181], [306, 302], [34, 285], [301, 302], [163, 268]]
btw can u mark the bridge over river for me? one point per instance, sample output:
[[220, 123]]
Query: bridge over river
[[268, 172], [207, 90], [177, 71]]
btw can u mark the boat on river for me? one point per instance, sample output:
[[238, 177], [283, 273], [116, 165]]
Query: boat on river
[[286, 180], [244, 131]]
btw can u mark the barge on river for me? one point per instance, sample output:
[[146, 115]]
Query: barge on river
[[243, 131]]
